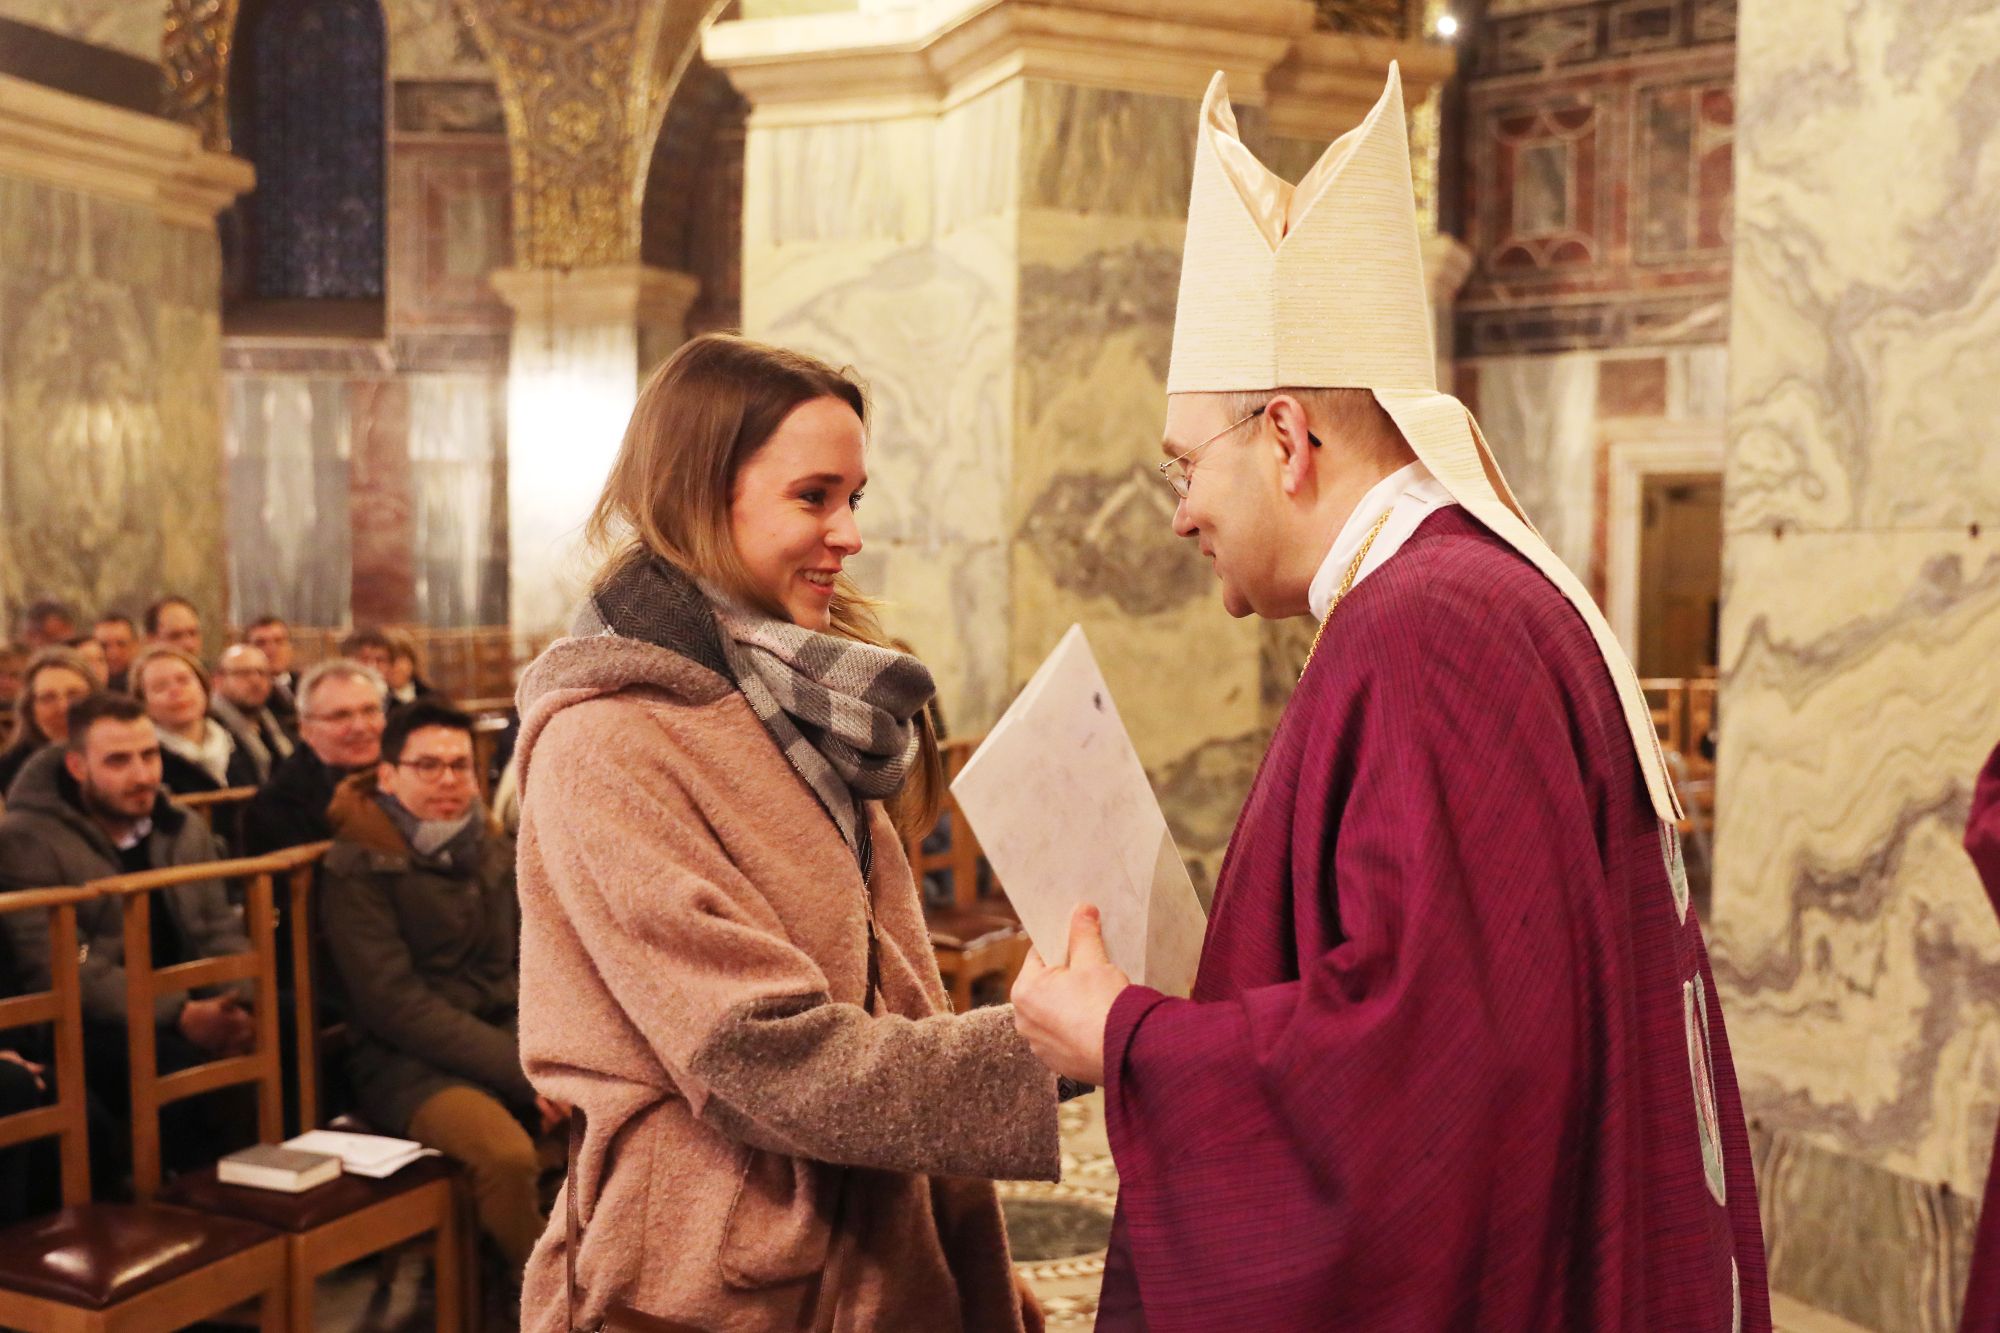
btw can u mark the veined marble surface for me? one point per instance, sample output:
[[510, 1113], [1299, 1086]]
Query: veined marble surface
[[123, 25], [428, 40], [290, 443], [1858, 958], [887, 247], [1003, 276], [110, 369]]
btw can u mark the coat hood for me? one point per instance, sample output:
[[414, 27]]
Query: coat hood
[[683, 659]]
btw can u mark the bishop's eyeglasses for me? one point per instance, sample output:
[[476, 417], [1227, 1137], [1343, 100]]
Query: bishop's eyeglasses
[[1176, 472]]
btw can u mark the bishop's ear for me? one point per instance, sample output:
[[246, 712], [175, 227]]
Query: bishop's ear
[[1292, 436]]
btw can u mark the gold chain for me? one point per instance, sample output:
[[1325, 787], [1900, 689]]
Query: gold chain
[[1346, 585]]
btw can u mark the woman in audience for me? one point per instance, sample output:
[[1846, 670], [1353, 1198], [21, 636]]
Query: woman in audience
[[197, 753], [405, 672], [724, 962], [55, 678]]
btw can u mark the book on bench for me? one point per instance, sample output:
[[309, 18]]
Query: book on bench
[[270, 1167]]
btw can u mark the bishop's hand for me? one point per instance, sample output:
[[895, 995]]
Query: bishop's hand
[[1061, 1011]]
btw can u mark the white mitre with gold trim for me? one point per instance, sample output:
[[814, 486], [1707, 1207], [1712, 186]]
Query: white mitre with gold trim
[[1321, 286]]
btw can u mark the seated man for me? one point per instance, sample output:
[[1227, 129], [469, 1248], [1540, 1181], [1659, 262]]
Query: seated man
[[418, 912], [174, 621], [242, 701], [340, 723], [271, 636], [119, 638], [89, 809]]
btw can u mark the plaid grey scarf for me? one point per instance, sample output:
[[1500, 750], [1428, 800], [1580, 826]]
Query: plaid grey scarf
[[843, 713]]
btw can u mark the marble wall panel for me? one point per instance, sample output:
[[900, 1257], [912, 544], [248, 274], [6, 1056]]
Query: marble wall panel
[[289, 442], [109, 370], [1865, 362], [1539, 414], [848, 182], [458, 469], [429, 40], [916, 291], [570, 392], [446, 106], [1878, 1250], [449, 228], [1861, 655], [121, 25], [381, 503], [1858, 957], [977, 152], [1100, 151], [1094, 543], [928, 329]]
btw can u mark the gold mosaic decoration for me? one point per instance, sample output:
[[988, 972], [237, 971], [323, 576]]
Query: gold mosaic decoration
[[580, 85], [1370, 18], [195, 60], [1427, 131]]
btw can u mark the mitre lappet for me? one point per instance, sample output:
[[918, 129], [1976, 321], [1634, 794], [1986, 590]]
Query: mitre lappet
[[1321, 286]]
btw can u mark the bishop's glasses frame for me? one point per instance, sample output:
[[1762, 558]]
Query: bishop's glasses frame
[[1176, 472]]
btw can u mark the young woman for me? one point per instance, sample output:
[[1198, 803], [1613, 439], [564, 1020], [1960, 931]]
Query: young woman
[[197, 753], [724, 965], [55, 678]]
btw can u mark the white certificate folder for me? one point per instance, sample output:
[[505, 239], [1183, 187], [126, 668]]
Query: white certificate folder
[[1062, 808]]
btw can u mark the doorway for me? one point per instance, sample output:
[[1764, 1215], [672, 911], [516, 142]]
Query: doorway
[[1680, 575]]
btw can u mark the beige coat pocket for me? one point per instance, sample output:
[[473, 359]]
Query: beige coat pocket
[[781, 1222]]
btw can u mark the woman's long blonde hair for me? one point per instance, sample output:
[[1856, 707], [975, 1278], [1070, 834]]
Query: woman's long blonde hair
[[703, 414]]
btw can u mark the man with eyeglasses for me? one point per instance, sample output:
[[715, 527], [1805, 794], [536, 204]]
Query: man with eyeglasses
[[242, 701], [341, 716], [1454, 1057], [417, 905]]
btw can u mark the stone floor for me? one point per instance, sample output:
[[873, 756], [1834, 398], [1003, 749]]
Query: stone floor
[[1059, 1231]]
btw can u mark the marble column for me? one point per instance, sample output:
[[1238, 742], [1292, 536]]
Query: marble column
[[584, 90], [110, 354], [1858, 958], [980, 208], [582, 340]]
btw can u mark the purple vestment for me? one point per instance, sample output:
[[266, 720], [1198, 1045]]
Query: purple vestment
[[1454, 1059]]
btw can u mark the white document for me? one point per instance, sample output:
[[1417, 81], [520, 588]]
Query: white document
[[374, 1155], [1061, 806]]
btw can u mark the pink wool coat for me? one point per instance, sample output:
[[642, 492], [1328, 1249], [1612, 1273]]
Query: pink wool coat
[[694, 961]]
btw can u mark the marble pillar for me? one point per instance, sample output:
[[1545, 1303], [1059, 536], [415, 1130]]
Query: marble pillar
[[980, 208], [582, 340], [110, 355], [1859, 960]]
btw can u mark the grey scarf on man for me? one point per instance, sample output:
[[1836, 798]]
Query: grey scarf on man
[[843, 713]]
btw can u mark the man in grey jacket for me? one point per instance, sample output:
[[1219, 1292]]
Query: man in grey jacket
[[90, 809]]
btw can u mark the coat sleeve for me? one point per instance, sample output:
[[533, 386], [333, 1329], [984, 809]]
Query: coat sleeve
[[214, 927], [1982, 829], [1367, 1101], [27, 862], [394, 1004], [740, 1018]]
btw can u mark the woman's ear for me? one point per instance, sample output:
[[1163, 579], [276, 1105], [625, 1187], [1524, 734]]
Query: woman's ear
[[1292, 437]]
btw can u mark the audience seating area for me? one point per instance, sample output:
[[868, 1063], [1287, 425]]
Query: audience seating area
[[165, 1248]]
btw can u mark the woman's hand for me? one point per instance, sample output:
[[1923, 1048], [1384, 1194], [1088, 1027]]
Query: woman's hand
[[1061, 1011]]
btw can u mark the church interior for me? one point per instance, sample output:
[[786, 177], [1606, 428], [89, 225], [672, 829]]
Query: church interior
[[327, 316]]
